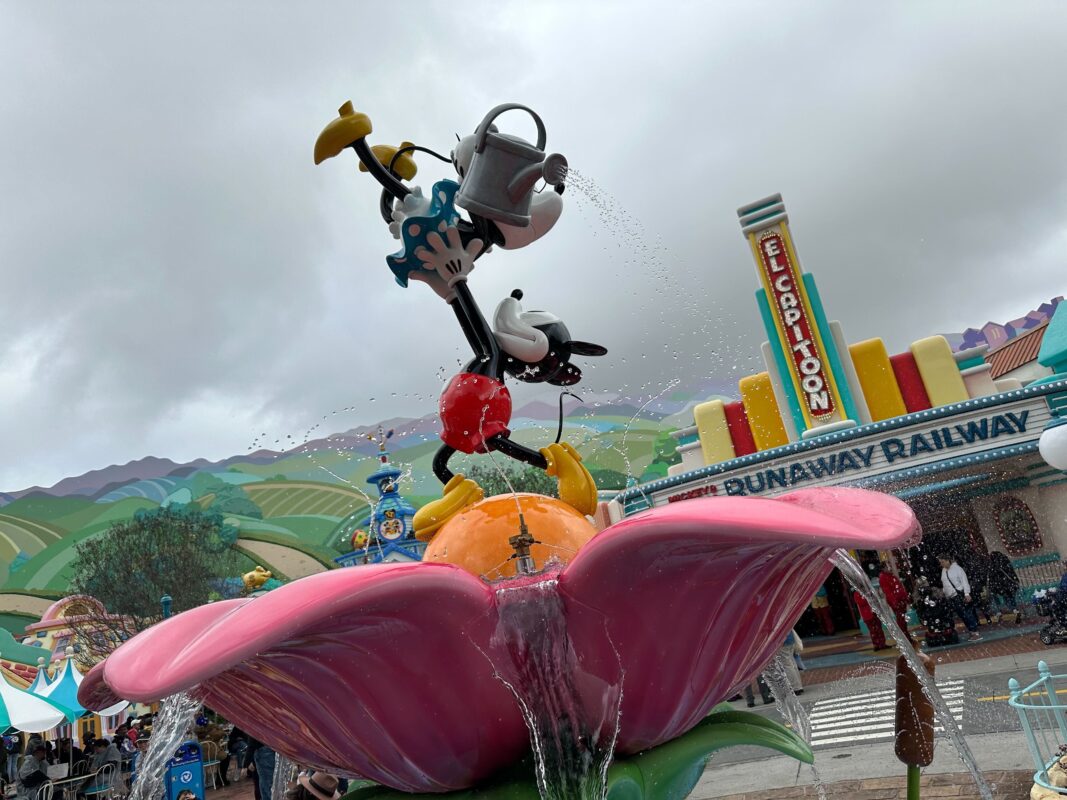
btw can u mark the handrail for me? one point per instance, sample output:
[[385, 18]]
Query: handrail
[[1041, 714]]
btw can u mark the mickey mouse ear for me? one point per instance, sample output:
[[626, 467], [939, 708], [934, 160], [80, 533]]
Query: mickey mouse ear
[[587, 349], [568, 376]]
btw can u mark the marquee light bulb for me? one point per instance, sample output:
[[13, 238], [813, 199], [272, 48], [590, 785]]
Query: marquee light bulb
[[1053, 444]]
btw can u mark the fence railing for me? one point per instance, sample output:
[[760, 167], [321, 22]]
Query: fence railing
[[1042, 709]]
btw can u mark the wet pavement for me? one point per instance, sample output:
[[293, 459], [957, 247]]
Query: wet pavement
[[846, 657], [1007, 785]]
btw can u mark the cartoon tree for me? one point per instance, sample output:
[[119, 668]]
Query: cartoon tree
[[176, 551]]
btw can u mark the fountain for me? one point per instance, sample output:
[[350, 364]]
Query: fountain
[[529, 653], [855, 575], [176, 714]]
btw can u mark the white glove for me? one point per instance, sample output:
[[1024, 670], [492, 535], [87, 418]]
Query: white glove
[[413, 205], [451, 261]]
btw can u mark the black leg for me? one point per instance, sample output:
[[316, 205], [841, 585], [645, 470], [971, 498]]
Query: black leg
[[502, 444], [440, 463]]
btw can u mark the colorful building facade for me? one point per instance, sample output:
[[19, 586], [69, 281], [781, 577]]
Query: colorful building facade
[[53, 638], [936, 427]]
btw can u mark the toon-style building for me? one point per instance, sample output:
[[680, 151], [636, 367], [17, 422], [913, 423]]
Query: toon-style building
[[955, 434], [386, 534], [53, 639]]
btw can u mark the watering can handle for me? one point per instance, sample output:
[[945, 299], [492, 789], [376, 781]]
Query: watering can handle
[[483, 128]]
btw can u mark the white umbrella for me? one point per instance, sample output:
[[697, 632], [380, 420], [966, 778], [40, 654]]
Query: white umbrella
[[28, 712], [41, 680], [64, 689]]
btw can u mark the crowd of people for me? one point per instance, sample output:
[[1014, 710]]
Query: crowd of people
[[30, 759], [984, 588], [258, 761]]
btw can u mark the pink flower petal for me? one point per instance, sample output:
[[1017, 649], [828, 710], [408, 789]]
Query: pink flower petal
[[696, 596], [94, 692], [378, 671]]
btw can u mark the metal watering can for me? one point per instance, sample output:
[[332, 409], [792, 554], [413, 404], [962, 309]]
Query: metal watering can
[[504, 170]]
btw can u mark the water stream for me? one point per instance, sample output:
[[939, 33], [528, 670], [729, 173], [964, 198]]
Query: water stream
[[776, 676], [284, 774], [855, 575], [572, 742], [169, 731]]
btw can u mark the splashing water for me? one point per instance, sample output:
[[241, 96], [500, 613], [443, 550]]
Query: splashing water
[[776, 676], [855, 575], [168, 733], [536, 659], [284, 774]]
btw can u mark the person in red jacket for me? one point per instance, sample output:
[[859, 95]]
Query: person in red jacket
[[897, 597], [870, 619]]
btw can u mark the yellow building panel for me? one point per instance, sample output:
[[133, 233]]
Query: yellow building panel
[[757, 395], [715, 442], [877, 379], [939, 371]]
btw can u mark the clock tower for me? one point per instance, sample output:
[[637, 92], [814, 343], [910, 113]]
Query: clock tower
[[388, 535]]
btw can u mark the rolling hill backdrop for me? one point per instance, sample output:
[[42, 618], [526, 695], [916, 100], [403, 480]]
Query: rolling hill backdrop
[[296, 509]]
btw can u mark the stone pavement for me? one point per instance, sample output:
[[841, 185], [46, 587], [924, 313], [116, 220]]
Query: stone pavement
[[1010, 785], [237, 790], [976, 651]]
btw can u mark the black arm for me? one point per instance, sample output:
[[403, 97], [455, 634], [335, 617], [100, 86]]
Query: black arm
[[466, 327], [386, 206], [486, 351]]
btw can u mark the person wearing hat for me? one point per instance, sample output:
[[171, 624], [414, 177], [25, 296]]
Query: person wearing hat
[[314, 786]]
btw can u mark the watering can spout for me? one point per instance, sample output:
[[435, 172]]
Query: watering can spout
[[553, 170]]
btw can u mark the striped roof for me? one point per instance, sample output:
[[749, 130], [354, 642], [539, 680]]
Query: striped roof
[[1015, 352]]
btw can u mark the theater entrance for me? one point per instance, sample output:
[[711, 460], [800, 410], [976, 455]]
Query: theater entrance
[[949, 526]]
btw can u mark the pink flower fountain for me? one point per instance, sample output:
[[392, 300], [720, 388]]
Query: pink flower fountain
[[401, 673]]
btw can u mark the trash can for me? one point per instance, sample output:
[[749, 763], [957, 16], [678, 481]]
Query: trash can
[[185, 771]]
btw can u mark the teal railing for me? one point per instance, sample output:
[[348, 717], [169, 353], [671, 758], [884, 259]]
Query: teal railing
[[1044, 720]]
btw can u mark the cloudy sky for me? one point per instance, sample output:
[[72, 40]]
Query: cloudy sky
[[179, 279]]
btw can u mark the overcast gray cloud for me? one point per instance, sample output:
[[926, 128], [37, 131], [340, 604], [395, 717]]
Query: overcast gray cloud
[[178, 278]]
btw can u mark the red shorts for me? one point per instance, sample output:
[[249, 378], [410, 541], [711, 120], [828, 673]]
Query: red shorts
[[474, 408]]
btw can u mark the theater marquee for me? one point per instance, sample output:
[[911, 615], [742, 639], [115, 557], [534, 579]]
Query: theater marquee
[[872, 451]]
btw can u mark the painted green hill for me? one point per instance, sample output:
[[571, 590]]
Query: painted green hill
[[294, 510]]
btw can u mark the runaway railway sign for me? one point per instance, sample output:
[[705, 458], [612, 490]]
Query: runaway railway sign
[[856, 455]]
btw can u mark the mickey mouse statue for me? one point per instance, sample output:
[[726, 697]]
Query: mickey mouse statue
[[497, 174]]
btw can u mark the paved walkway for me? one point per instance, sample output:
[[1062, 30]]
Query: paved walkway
[[766, 775], [998, 641], [1013, 785], [1008, 785], [237, 790]]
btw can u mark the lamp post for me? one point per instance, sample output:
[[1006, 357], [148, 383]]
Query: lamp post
[[1053, 443], [166, 601]]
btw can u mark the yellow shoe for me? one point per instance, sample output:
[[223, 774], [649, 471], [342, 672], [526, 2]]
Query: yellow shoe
[[348, 127], [459, 493], [576, 486], [404, 166]]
